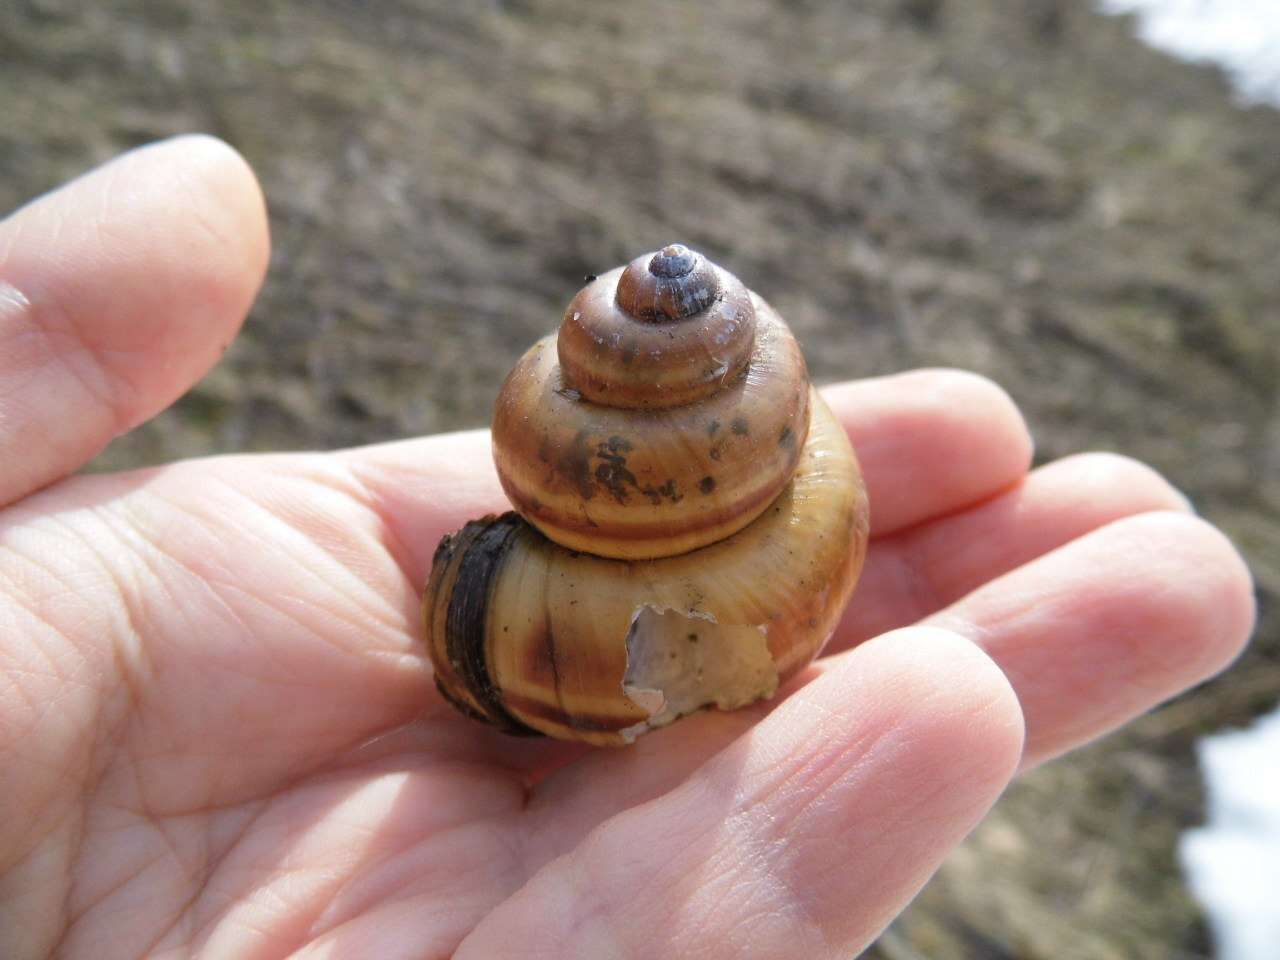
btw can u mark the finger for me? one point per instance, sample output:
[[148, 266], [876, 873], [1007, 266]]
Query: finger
[[802, 839], [930, 443], [921, 570], [1106, 627], [117, 292]]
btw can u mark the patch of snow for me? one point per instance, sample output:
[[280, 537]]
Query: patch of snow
[[1233, 862], [1241, 36]]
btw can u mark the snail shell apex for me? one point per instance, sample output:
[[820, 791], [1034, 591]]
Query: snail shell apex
[[640, 339], [696, 517], [650, 435]]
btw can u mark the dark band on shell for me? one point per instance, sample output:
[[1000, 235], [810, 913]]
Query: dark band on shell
[[485, 544]]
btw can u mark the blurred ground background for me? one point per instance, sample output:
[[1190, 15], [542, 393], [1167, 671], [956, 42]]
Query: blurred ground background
[[1014, 186]]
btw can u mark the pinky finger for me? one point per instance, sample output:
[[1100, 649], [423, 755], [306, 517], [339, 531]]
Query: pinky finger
[[803, 838]]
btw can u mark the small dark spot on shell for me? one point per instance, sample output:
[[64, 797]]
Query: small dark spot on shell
[[617, 445], [715, 453], [667, 491], [707, 484], [712, 427], [590, 278], [787, 438], [692, 638], [739, 426], [612, 472]]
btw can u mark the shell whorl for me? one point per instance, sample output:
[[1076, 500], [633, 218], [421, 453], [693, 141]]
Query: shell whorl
[[666, 414], [672, 284], [667, 329]]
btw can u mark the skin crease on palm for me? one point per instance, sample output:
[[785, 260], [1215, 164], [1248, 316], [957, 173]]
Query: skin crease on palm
[[218, 731]]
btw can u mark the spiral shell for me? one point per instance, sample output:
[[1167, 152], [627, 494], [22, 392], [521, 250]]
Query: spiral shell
[[696, 520]]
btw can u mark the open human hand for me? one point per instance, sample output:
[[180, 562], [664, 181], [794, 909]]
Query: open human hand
[[218, 732]]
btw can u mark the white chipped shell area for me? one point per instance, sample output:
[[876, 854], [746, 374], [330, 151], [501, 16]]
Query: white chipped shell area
[[678, 663]]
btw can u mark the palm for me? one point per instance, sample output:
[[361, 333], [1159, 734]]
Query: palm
[[219, 735], [276, 768], [247, 786]]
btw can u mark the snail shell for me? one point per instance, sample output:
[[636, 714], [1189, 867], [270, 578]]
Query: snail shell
[[691, 518]]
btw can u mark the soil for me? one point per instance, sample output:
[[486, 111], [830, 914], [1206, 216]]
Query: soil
[[1017, 187]]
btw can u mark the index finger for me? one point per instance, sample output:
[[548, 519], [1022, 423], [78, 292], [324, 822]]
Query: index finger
[[931, 442]]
